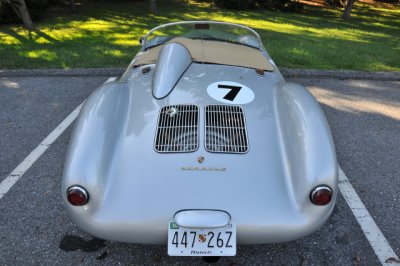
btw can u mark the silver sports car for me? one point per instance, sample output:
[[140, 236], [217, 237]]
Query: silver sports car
[[200, 145]]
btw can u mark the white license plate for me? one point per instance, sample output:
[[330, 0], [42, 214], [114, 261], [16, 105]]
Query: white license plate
[[184, 241]]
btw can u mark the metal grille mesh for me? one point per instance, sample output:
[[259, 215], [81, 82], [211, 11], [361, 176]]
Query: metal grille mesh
[[177, 129], [225, 129]]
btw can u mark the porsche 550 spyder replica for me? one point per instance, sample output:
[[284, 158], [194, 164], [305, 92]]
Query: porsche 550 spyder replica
[[200, 145]]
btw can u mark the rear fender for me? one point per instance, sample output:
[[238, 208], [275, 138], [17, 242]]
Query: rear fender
[[94, 140], [306, 140]]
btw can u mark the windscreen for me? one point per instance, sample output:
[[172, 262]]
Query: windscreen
[[216, 31]]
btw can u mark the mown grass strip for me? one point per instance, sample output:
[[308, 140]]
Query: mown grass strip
[[106, 35]]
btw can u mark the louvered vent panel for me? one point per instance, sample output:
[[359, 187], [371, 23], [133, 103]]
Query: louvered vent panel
[[225, 129], [177, 129]]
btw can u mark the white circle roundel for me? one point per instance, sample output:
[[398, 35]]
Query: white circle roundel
[[230, 92]]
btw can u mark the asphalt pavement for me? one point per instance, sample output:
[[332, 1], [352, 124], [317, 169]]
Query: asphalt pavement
[[364, 117]]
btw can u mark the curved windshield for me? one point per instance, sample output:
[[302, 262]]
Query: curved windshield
[[203, 30]]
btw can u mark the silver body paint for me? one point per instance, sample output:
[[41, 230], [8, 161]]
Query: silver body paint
[[135, 191], [168, 72]]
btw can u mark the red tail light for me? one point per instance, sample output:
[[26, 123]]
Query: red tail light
[[77, 196], [321, 195]]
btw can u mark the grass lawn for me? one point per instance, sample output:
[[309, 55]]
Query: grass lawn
[[106, 35]]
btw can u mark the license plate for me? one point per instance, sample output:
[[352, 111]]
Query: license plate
[[184, 241]]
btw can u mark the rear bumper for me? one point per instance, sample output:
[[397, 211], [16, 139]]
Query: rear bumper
[[154, 230]]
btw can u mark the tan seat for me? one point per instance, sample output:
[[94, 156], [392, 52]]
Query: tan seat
[[214, 52]]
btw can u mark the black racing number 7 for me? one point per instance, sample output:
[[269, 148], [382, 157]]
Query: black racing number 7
[[230, 96]]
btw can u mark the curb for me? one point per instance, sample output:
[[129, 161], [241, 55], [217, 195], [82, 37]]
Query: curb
[[339, 74], [75, 72], [286, 72]]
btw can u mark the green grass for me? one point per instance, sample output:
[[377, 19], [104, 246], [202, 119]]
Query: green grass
[[106, 35]]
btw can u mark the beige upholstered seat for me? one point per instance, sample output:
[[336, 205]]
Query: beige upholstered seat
[[214, 52]]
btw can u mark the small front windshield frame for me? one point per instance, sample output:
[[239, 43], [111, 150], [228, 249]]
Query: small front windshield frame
[[203, 30]]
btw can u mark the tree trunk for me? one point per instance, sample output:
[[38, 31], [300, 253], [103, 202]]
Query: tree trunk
[[73, 7], [22, 12], [153, 7], [347, 9]]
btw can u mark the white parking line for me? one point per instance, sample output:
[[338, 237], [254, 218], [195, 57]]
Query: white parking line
[[20, 170], [374, 235]]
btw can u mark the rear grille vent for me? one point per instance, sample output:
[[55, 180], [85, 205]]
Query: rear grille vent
[[225, 129], [177, 129]]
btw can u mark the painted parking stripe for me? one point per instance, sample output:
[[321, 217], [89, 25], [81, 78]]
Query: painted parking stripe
[[374, 235], [20, 170]]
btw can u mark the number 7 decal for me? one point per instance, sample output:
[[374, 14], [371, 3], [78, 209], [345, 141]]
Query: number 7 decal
[[232, 94]]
